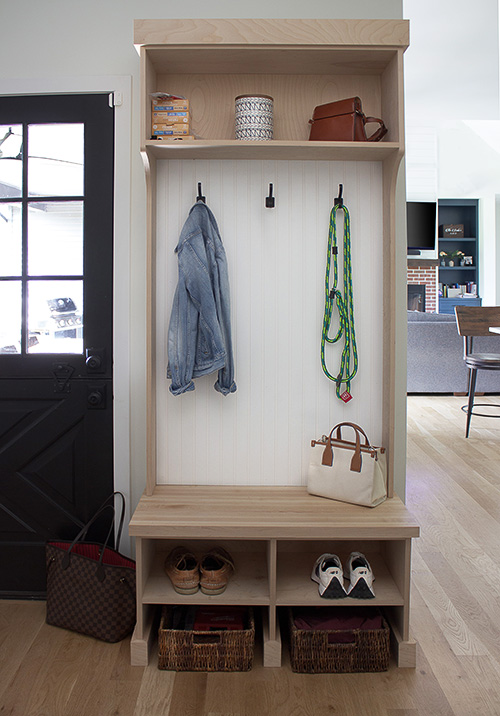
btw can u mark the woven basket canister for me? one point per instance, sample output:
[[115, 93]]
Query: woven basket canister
[[254, 117], [312, 652], [218, 650]]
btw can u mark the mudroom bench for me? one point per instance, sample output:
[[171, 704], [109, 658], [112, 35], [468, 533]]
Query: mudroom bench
[[275, 535]]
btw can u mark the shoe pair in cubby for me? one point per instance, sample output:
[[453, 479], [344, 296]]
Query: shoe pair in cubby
[[210, 573], [329, 575]]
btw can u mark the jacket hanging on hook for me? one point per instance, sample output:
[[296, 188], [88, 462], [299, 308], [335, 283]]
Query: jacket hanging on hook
[[199, 334]]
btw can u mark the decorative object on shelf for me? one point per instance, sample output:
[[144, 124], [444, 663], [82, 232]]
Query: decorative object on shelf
[[468, 261], [344, 302], [348, 471], [254, 117], [453, 231], [90, 586], [452, 257], [343, 121]]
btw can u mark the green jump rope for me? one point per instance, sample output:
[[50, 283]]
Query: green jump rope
[[344, 302]]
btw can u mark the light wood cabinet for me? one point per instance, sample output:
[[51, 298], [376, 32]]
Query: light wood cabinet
[[274, 534]]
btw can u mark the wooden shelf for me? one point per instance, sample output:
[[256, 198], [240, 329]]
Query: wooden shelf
[[276, 149], [249, 584], [295, 587]]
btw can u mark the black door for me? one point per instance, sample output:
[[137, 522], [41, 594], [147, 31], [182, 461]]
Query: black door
[[56, 254]]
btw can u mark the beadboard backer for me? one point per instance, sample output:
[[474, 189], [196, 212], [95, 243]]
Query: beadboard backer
[[261, 434]]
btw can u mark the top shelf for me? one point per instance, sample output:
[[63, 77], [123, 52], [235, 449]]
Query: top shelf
[[300, 63], [290, 150]]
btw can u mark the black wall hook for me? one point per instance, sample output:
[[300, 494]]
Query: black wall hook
[[339, 201], [200, 197], [270, 201]]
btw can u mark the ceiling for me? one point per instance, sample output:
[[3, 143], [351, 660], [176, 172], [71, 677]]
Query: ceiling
[[452, 64]]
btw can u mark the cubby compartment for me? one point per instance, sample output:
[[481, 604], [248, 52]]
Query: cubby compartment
[[294, 586], [249, 584]]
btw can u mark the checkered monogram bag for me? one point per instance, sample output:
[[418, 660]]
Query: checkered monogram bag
[[91, 587]]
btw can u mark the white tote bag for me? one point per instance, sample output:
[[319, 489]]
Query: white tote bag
[[353, 472]]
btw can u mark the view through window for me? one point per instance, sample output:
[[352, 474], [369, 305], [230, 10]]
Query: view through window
[[41, 238]]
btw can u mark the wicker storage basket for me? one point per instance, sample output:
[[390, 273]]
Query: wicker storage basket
[[181, 650], [311, 652]]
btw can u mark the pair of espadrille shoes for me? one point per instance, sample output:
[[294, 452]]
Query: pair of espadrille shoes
[[187, 573]]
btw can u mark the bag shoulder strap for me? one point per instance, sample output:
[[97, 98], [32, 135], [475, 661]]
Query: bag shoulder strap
[[381, 131], [81, 535]]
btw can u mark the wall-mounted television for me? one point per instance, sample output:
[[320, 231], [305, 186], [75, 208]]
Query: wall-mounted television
[[421, 229]]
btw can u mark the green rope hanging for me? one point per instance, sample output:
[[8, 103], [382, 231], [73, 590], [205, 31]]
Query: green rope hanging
[[344, 304]]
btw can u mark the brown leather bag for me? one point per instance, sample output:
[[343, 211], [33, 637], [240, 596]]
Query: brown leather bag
[[343, 121]]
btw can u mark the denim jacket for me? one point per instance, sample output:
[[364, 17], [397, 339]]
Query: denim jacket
[[199, 334]]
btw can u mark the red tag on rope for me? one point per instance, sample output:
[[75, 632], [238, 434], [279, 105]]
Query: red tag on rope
[[346, 396]]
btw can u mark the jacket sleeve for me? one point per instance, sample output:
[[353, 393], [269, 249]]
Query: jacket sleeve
[[225, 382], [181, 342]]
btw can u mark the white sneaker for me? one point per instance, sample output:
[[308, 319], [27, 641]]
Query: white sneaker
[[360, 576], [327, 572]]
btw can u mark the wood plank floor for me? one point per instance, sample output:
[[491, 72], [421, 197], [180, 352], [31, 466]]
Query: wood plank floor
[[453, 490]]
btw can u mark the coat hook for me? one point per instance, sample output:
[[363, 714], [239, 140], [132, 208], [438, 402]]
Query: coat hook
[[200, 197], [339, 201], [270, 201]]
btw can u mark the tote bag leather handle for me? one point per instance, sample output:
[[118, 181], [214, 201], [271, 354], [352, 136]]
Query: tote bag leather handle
[[356, 461]]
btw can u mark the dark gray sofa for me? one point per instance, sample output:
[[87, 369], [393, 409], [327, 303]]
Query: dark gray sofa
[[435, 356]]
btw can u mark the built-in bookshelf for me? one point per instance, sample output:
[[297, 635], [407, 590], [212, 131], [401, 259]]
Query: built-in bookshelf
[[458, 254]]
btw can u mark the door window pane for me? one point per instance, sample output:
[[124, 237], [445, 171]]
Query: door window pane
[[10, 316], [11, 164], [55, 317], [55, 160], [55, 238], [10, 239]]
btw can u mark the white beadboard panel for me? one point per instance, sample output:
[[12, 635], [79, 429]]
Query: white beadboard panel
[[276, 258]]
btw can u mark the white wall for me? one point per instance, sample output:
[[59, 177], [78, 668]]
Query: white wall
[[452, 115], [62, 41], [261, 434]]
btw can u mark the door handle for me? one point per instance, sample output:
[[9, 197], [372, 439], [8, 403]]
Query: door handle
[[95, 360], [96, 397]]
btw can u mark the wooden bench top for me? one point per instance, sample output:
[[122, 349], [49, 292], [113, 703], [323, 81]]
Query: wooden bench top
[[237, 512]]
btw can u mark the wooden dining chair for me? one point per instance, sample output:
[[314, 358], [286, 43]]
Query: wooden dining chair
[[473, 321]]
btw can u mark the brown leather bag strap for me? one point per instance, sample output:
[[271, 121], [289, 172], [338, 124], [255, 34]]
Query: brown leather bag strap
[[356, 461], [381, 131], [356, 428]]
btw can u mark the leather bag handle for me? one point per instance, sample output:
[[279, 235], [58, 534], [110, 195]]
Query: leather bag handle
[[356, 428], [381, 131], [356, 462], [100, 574]]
